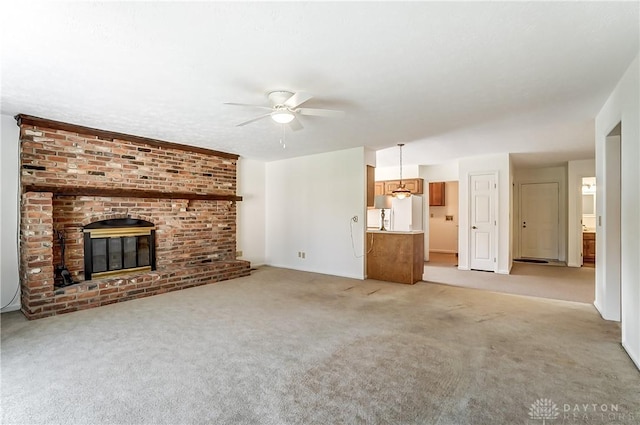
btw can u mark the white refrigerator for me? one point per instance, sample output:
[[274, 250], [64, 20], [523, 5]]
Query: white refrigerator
[[406, 214]]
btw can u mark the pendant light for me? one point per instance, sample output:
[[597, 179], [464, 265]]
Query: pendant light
[[401, 192]]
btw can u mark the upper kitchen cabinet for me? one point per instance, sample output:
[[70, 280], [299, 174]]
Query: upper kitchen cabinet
[[413, 185], [371, 177], [436, 194], [379, 188]]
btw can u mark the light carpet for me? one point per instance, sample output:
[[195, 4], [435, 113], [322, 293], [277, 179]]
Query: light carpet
[[535, 280], [288, 347]]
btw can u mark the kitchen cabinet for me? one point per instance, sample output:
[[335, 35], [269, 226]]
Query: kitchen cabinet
[[589, 247], [395, 256], [371, 177], [436, 194], [414, 185], [378, 188]]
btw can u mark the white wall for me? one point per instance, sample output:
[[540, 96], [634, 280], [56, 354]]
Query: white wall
[[623, 106], [500, 163], [251, 211], [542, 175], [9, 277], [443, 234], [512, 203], [310, 202], [576, 170], [446, 172]]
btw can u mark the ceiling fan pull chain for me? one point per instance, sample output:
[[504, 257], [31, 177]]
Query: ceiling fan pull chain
[[282, 139]]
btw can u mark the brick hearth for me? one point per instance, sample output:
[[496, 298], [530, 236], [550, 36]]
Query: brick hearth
[[73, 176]]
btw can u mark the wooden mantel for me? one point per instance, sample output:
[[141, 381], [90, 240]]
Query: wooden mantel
[[129, 193]]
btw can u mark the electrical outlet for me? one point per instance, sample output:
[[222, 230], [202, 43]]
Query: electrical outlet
[[303, 255]]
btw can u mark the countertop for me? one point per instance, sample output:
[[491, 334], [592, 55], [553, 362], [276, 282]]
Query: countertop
[[410, 232]]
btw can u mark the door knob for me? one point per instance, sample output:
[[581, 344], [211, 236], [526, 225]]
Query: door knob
[[473, 227]]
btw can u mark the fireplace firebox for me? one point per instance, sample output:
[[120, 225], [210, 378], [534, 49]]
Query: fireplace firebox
[[118, 246]]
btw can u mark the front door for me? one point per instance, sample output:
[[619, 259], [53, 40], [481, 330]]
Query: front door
[[483, 222], [539, 220]]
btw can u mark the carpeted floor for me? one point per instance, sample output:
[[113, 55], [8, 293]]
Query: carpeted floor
[[535, 280], [288, 347]]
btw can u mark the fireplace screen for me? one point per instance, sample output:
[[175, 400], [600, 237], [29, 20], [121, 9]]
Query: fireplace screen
[[113, 247]]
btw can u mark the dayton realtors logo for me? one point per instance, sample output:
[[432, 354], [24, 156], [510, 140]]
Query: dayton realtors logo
[[594, 413], [545, 409]]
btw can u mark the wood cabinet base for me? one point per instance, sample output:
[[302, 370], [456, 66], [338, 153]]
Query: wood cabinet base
[[589, 247], [395, 257]]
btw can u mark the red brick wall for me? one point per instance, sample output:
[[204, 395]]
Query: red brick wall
[[70, 159], [195, 239], [36, 249]]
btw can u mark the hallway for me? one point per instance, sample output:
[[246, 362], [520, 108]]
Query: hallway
[[536, 280]]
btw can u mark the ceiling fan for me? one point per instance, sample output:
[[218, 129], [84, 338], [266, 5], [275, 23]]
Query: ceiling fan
[[285, 108]]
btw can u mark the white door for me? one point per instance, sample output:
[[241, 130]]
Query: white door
[[539, 220], [482, 190]]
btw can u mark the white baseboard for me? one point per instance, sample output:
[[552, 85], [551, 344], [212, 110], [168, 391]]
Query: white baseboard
[[597, 306], [314, 270], [13, 307], [601, 312], [633, 356]]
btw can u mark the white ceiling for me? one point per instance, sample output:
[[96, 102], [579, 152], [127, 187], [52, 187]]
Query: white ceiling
[[449, 79]]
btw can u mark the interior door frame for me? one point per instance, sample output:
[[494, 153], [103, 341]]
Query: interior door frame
[[494, 207], [556, 174], [558, 214]]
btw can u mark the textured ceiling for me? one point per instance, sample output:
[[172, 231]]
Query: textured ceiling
[[448, 79]]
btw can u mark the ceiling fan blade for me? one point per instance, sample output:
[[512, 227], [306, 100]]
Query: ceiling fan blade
[[295, 125], [246, 104], [254, 119], [320, 112], [297, 99]]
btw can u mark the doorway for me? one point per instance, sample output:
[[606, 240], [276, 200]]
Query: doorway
[[443, 224], [539, 220], [608, 225], [588, 221]]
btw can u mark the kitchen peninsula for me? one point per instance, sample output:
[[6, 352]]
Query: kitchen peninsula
[[395, 256]]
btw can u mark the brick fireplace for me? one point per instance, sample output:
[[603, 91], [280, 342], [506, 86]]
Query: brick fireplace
[[73, 177]]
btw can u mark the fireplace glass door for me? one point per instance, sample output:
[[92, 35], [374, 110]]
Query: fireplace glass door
[[111, 250]]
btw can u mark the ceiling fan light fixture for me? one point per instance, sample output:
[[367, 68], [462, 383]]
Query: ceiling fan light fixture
[[282, 116], [284, 108]]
